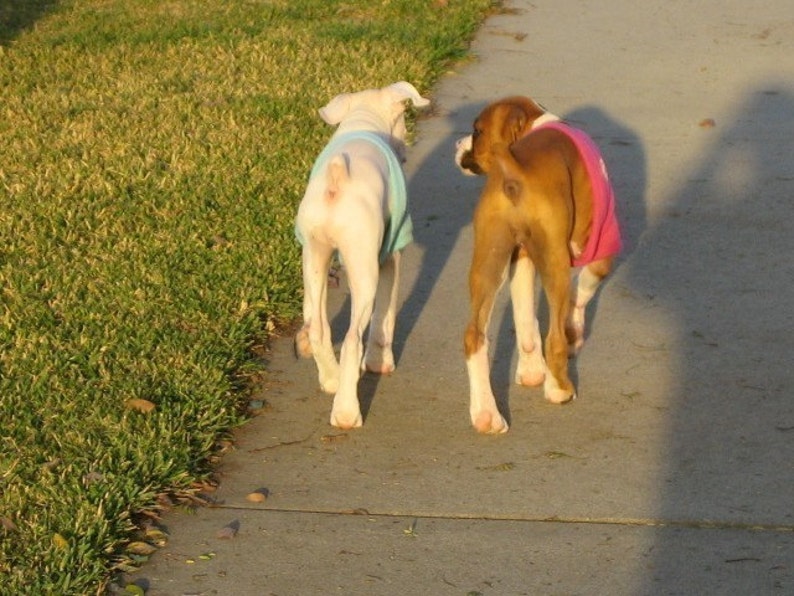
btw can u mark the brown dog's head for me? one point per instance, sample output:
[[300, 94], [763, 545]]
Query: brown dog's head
[[500, 123]]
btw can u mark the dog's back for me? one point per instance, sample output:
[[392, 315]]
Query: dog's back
[[347, 200]]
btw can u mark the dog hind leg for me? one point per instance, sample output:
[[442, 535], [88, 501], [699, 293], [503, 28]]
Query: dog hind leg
[[487, 274], [314, 338], [379, 357], [555, 274], [584, 288], [531, 369], [362, 269], [558, 387]]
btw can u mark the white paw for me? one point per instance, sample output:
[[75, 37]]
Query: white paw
[[329, 384], [574, 331], [303, 347], [530, 378], [531, 369], [488, 422], [559, 396], [346, 419], [379, 361], [575, 346]]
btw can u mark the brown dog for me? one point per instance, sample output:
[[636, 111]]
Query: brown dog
[[547, 207]]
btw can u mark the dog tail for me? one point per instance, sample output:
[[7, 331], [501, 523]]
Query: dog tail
[[336, 174], [512, 185]]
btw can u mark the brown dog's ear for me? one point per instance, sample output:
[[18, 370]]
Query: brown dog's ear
[[523, 112], [515, 123]]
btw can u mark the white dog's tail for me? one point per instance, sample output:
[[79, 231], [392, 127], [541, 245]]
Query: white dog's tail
[[336, 174]]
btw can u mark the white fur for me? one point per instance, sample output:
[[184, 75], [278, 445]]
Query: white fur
[[345, 208], [545, 119]]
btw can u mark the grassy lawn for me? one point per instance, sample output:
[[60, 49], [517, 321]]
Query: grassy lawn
[[152, 155]]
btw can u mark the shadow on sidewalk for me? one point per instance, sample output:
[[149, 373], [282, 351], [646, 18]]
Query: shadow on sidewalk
[[718, 262]]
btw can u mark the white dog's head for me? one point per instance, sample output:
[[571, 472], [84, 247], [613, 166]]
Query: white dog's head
[[375, 110]]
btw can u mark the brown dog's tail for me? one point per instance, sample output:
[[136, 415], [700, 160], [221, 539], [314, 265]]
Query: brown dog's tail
[[512, 185], [336, 175]]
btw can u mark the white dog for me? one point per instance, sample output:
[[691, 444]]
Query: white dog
[[356, 204]]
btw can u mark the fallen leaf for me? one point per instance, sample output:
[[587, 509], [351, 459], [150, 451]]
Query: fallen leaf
[[228, 531], [7, 524], [257, 496], [59, 541], [93, 477], [134, 589], [140, 405], [156, 537], [140, 548], [707, 123]]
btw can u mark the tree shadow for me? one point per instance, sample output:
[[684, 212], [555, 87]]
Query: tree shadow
[[18, 15], [718, 263]]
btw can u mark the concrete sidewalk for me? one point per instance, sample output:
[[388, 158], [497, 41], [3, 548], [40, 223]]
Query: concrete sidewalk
[[673, 472]]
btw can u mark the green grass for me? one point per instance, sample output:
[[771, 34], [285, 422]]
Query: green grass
[[152, 155]]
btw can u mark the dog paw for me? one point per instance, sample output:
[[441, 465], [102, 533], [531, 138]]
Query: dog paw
[[531, 369], [379, 359], [531, 378], [574, 330], [329, 385], [559, 396], [575, 347], [381, 364], [487, 422], [303, 347], [346, 420], [379, 369]]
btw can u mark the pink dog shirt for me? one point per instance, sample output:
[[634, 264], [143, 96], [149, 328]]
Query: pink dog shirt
[[604, 240]]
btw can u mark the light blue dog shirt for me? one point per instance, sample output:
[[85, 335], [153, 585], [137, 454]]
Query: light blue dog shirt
[[399, 228]]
